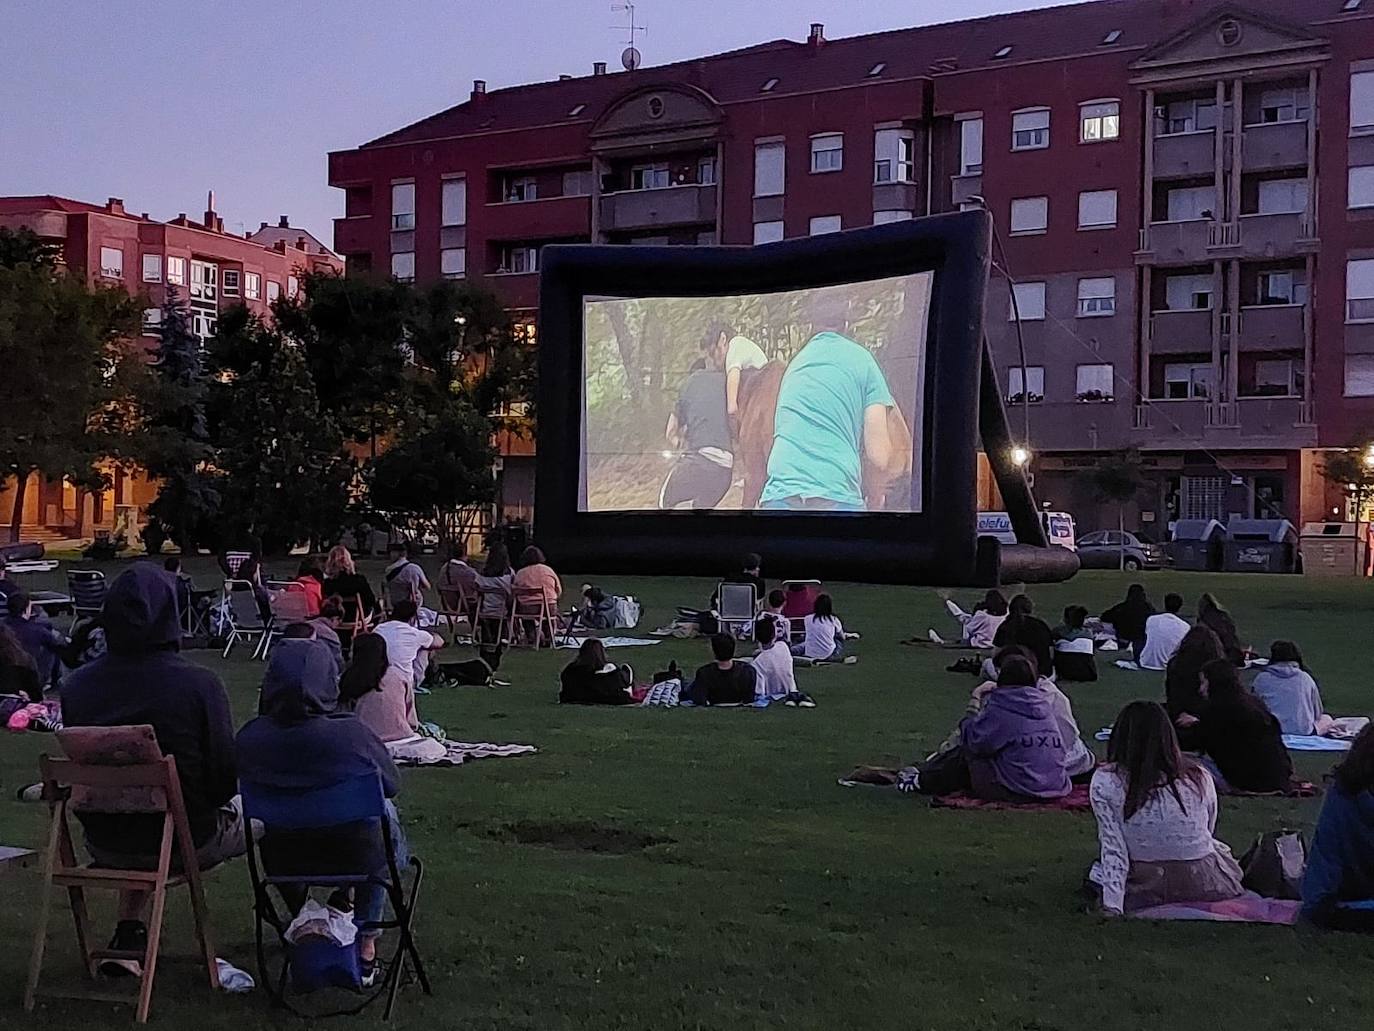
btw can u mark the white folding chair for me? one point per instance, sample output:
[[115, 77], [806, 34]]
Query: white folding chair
[[245, 621], [737, 604]]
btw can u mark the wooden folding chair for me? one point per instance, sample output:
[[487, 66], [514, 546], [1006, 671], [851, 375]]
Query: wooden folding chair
[[356, 621], [116, 770], [457, 604], [531, 605], [502, 623]]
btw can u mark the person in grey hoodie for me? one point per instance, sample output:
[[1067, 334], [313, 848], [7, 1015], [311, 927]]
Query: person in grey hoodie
[[1289, 691], [1015, 748]]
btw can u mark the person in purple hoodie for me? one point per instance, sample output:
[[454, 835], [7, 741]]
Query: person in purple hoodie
[[1014, 747]]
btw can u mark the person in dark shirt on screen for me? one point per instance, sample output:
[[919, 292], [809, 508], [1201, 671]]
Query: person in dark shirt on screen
[[725, 681], [700, 428]]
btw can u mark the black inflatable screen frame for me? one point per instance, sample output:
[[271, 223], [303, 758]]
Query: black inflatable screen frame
[[937, 545]]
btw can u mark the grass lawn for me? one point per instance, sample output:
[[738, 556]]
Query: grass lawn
[[769, 895]]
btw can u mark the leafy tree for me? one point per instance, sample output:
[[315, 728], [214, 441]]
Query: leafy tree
[[66, 375], [1117, 478], [25, 247], [1353, 471]]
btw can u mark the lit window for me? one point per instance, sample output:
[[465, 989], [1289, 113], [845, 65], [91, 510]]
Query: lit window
[[274, 289], [1030, 130], [453, 193], [523, 187], [650, 177], [1188, 381], [877, 69], [971, 146], [1359, 375], [1362, 186], [768, 86], [577, 110], [770, 163], [252, 286], [1030, 214], [1003, 52], [402, 267], [823, 224], [1110, 38], [111, 262], [1096, 297], [152, 268], [1096, 209], [453, 262], [827, 152], [176, 270], [1099, 121], [293, 286], [403, 206], [1359, 290], [1095, 383], [152, 321], [1029, 302], [1026, 384], [767, 232], [229, 282], [895, 160], [896, 215]]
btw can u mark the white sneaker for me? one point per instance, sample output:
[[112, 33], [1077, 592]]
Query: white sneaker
[[934, 637]]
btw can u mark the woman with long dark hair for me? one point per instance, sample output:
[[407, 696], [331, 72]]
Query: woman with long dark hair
[[1022, 627], [18, 671], [1211, 614], [824, 633], [592, 679], [1288, 690], [1183, 677], [979, 627], [1156, 813], [1239, 734], [1340, 865], [494, 591], [1014, 746]]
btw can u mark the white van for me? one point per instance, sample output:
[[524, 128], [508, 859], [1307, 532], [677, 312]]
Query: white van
[[1059, 528]]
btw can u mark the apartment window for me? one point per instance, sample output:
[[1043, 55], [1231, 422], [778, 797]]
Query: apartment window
[[274, 288], [767, 232], [1030, 214], [827, 152], [453, 203], [521, 188], [706, 172], [895, 156], [152, 321], [1180, 116], [453, 262], [1110, 38], [650, 177], [293, 286], [1280, 287], [1362, 102], [403, 205], [1359, 290], [1188, 293], [202, 325], [229, 282], [1359, 375], [1287, 104], [578, 183], [1030, 302], [402, 268], [1362, 186], [176, 270], [881, 218], [152, 268], [1190, 203], [112, 262], [1030, 130], [1188, 381], [252, 286], [1096, 297], [1096, 209], [1026, 384], [1282, 196], [770, 163], [204, 280], [1099, 121], [971, 146], [1274, 378], [1095, 383], [516, 260], [822, 224]]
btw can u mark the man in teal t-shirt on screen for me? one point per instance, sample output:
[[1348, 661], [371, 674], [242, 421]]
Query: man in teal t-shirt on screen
[[833, 411]]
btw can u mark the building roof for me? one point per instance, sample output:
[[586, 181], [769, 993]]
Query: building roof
[[269, 236], [52, 202], [1072, 30]]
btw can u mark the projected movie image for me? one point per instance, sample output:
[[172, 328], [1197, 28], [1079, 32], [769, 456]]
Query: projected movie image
[[798, 401]]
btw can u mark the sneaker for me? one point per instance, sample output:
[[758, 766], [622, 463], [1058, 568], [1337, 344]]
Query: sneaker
[[129, 936], [805, 701], [934, 637], [849, 660], [370, 972], [627, 674]]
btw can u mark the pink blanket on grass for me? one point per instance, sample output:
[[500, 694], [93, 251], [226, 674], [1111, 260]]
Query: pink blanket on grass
[[1243, 909], [1076, 801]]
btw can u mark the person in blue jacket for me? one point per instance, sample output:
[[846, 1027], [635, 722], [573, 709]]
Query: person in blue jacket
[[1338, 887]]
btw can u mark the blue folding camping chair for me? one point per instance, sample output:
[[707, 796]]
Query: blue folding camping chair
[[337, 837]]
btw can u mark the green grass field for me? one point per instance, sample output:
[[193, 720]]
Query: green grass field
[[767, 895]]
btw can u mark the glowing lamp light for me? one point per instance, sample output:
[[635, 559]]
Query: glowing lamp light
[[1369, 457], [667, 454], [1020, 456]]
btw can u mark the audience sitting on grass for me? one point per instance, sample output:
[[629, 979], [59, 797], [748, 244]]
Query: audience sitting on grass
[[1156, 815], [1014, 747], [311, 581], [326, 627], [1240, 736], [536, 574], [407, 645], [772, 609], [405, 579], [19, 674], [1127, 618], [592, 679], [1340, 863], [1183, 680], [44, 643], [978, 628], [1288, 691], [341, 578], [1210, 614], [1022, 627], [301, 741], [384, 700], [824, 633], [494, 592], [598, 609], [773, 665], [142, 679], [725, 681], [751, 573], [1073, 647], [1164, 632]]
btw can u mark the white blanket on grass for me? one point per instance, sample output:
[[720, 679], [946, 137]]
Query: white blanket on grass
[[610, 642], [426, 751]]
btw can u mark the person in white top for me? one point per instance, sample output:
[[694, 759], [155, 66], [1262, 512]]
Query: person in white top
[[773, 664], [824, 633], [1156, 813], [978, 627], [407, 646], [733, 353], [1164, 632]]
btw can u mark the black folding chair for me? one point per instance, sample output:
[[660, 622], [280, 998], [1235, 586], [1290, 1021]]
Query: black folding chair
[[87, 590], [336, 837]]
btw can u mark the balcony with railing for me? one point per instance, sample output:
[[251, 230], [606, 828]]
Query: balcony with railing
[[1276, 234], [1181, 332], [688, 204], [1270, 146], [1271, 327], [1251, 422], [1185, 154]]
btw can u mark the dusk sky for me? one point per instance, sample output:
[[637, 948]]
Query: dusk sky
[[157, 102]]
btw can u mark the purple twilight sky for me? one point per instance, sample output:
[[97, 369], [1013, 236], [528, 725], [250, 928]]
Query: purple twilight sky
[[158, 102]]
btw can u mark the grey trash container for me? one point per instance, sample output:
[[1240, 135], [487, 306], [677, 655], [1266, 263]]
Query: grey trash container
[[1260, 546], [1335, 549], [1197, 544]]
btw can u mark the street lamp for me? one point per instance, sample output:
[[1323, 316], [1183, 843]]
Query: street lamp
[[1020, 456]]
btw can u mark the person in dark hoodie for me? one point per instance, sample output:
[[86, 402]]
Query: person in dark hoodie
[[1026, 630], [302, 741], [142, 679], [1015, 749], [1239, 735], [1128, 619], [1340, 865]]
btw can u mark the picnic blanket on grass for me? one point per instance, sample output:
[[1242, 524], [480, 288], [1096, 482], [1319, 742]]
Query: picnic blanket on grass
[[1076, 801], [611, 642], [458, 752], [1248, 908], [1293, 742]]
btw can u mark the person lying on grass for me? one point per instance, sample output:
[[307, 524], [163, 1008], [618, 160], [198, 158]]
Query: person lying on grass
[[1340, 865], [1156, 813], [592, 679], [976, 628], [1240, 736]]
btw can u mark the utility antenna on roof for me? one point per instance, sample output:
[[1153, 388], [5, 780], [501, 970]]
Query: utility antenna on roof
[[630, 57]]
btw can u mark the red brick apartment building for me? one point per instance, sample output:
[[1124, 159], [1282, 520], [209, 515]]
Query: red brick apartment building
[[211, 269], [1184, 190]]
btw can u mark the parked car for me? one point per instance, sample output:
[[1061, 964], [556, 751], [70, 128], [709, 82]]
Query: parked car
[[1112, 549]]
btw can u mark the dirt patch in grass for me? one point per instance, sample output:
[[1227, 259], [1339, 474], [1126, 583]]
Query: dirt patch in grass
[[569, 836]]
